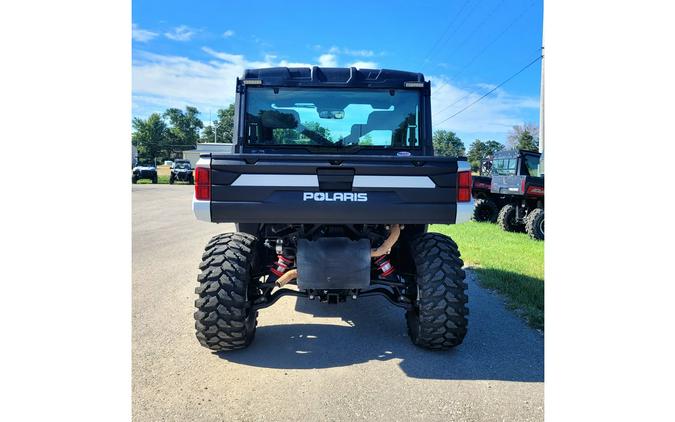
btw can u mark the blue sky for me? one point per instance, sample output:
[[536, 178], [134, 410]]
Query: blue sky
[[189, 53]]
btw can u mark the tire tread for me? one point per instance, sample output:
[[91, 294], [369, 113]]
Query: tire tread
[[440, 321], [221, 316], [532, 224]]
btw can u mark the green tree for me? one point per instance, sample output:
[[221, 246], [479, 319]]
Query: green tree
[[480, 150], [491, 147], [225, 124], [149, 137], [366, 140], [285, 136], [184, 127], [207, 134], [447, 143], [223, 127], [525, 136], [317, 128]]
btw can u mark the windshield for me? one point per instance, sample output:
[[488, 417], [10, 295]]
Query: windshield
[[504, 166], [181, 166], [332, 117]]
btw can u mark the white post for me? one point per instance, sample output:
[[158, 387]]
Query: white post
[[541, 105]]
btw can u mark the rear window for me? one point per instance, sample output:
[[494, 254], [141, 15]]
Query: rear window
[[331, 117], [504, 166]]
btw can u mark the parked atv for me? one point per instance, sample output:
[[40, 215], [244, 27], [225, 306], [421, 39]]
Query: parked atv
[[144, 171], [487, 204], [181, 171], [517, 177]]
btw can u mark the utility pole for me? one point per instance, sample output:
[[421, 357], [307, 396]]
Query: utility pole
[[541, 104]]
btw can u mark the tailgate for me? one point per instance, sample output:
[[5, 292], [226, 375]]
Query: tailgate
[[517, 185], [334, 189], [508, 185]]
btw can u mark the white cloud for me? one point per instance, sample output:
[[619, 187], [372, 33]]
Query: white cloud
[[328, 60], [228, 33], [286, 63], [364, 65], [180, 33], [232, 58], [162, 81], [141, 35], [350, 52], [494, 114]]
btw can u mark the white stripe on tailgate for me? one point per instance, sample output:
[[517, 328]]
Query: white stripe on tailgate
[[393, 182], [286, 180], [312, 181]]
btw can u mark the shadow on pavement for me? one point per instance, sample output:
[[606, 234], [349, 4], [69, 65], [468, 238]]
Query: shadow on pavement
[[498, 346]]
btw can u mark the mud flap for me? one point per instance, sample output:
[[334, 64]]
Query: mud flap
[[333, 263]]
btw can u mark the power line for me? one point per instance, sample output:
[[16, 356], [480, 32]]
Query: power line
[[483, 50], [477, 27], [447, 28], [493, 89], [473, 59], [445, 31], [452, 104]]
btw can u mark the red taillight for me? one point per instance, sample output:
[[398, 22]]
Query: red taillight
[[464, 186], [535, 190], [202, 184]]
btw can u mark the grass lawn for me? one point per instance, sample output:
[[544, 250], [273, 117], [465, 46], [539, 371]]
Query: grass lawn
[[163, 173], [161, 180], [511, 263]]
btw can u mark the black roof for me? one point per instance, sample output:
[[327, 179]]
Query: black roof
[[512, 153], [333, 76]]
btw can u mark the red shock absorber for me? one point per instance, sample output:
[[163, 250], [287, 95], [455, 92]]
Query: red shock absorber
[[384, 265], [280, 267]]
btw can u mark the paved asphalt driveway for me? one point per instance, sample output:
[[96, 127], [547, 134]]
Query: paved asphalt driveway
[[310, 361]]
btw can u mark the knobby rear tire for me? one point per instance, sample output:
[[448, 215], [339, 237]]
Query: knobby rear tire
[[507, 219], [224, 320], [485, 210], [438, 320], [534, 224]]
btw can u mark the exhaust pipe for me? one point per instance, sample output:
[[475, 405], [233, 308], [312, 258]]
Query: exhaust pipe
[[288, 276], [389, 242]]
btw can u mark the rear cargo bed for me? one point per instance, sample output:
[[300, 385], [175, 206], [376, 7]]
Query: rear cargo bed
[[334, 189]]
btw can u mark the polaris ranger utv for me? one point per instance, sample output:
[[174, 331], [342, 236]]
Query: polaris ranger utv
[[331, 186], [487, 204], [181, 171], [144, 171], [518, 179]]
